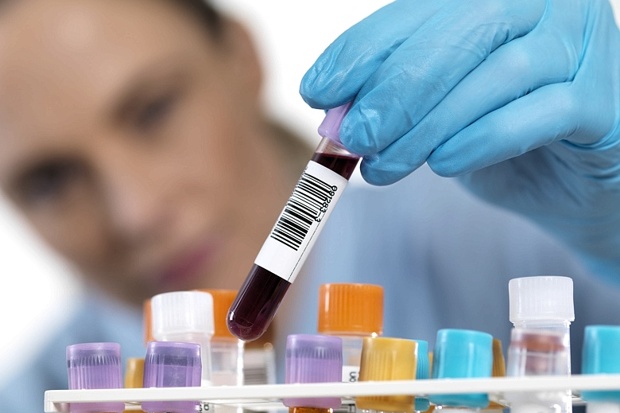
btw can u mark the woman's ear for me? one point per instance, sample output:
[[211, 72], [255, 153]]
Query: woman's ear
[[245, 61]]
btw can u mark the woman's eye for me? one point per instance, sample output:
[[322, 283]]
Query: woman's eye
[[49, 182], [153, 113]]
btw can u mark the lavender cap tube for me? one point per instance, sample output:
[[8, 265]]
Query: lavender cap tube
[[172, 364], [313, 358], [95, 366]]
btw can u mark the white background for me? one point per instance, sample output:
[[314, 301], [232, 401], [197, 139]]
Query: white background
[[36, 288]]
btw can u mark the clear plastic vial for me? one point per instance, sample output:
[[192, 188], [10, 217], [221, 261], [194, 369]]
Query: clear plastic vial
[[544, 303], [295, 232], [350, 311], [226, 350], [185, 316]]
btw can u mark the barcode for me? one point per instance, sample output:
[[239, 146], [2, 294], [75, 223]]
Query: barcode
[[307, 205]]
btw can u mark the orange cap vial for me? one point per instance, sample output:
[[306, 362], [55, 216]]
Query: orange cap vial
[[350, 309], [147, 321]]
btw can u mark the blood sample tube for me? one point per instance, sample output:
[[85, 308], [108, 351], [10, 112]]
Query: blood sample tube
[[95, 366], [295, 231], [350, 311]]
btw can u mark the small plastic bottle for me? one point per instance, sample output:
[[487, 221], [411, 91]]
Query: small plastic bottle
[[226, 349], [544, 303], [172, 364], [386, 359], [296, 230], [461, 354], [601, 355], [538, 353], [95, 366], [312, 358], [351, 312], [185, 316]]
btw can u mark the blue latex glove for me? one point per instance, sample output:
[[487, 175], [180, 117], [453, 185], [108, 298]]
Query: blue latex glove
[[519, 98]]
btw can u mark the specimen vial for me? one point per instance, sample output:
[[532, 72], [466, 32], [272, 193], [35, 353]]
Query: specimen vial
[[350, 311], [172, 364], [226, 349], [601, 355], [95, 366], [312, 358], [301, 221], [461, 354], [387, 359], [185, 316], [538, 353]]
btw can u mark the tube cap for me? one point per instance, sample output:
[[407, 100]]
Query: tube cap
[[330, 127], [350, 309], [222, 300], [182, 312], [95, 366], [385, 359], [601, 356], [545, 297], [313, 358], [462, 354], [172, 364]]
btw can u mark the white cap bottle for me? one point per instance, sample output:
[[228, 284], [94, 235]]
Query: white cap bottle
[[544, 303], [185, 316]]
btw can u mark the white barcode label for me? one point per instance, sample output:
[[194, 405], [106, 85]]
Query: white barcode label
[[301, 221]]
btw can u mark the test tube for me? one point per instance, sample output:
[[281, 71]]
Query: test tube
[[134, 375], [461, 354], [312, 358], [226, 350], [95, 366], [544, 302], [185, 316], [351, 311], [172, 364], [601, 355], [387, 359], [286, 248], [538, 353]]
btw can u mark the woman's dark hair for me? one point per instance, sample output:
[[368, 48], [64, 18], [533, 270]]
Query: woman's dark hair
[[204, 12]]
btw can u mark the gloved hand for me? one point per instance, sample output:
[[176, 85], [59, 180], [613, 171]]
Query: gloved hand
[[520, 99]]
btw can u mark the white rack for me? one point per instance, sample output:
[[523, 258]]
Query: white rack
[[267, 397]]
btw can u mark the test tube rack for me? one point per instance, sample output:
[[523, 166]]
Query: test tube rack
[[268, 397]]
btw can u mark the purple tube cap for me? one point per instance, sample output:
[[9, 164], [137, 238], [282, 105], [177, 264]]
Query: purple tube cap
[[172, 364], [330, 127], [313, 358], [95, 366]]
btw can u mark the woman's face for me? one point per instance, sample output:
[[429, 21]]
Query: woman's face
[[134, 143]]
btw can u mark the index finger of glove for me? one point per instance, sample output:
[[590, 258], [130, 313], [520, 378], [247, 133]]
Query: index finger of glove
[[341, 70], [420, 72]]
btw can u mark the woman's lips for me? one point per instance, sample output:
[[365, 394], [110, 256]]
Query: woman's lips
[[187, 268]]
